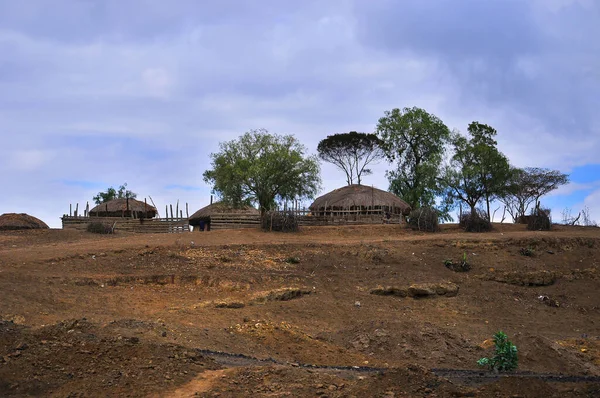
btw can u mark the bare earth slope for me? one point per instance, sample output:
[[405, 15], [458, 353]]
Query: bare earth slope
[[247, 313]]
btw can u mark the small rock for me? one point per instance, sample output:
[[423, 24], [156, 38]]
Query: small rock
[[164, 334], [357, 303]]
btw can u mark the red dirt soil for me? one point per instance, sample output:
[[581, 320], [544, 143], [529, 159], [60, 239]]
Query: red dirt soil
[[150, 315]]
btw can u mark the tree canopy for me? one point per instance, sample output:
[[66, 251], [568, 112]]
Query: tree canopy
[[415, 140], [260, 168], [352, 152], [526, 186], [477, 169], [111, 193]]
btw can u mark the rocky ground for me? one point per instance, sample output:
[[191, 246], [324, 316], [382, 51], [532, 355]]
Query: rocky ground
[[329, 311]]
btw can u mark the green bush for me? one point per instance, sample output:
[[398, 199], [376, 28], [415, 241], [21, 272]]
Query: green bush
[[99, 228], [505, 355], [424, 219]]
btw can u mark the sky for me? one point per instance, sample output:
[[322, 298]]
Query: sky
[[95, 93]]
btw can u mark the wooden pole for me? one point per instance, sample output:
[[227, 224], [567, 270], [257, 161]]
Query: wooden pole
[[70, 210], [171, 206], [177, 209], [76, 209], [167, 212], [187, 214], [145, 208]]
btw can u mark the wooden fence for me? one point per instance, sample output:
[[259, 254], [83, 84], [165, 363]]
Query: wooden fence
[[233, 221], [126, 224], [306, 218]]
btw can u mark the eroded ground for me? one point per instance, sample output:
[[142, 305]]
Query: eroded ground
[[246, 313]]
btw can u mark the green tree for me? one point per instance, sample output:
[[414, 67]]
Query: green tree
[[112, 193], [526, 186], [352, 152], [261, 168], [416, 141], [477, 170]]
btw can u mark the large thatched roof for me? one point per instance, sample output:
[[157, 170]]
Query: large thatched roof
[[219, 207], [359, 197], [14, 221], [118, 208]]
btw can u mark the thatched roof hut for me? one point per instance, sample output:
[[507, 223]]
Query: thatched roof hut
[[124, 208], [14, 221], [219, 207], [359, 197]]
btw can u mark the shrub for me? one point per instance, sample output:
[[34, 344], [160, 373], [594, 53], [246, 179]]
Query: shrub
[[475, 222], [424, 219], [505, 354], [461, 266], [280, 221], [97, 227], [539, 220]]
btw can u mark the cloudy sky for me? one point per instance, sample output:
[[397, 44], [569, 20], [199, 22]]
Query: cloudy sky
[[95, 93]]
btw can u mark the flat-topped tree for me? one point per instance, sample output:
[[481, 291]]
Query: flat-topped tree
[[526, 186], [260, 168], [352, 152]]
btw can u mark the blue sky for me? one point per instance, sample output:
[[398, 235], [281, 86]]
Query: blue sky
[[100, 92]]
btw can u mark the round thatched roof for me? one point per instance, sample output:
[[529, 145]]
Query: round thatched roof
[[359, 196], [119, 206], [219, 207], [14, 221]]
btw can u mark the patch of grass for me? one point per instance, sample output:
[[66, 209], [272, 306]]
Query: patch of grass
[[528, 252]]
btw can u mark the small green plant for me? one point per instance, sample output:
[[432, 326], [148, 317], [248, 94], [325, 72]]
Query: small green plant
[[505, 355], [461, 266], [448, 263], [528, 252]]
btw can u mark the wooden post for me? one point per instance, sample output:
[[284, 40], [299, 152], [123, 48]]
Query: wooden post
[[87, 209], [145, 208], [76, 209], [171, 206], [166, 212], [70, 210], [211, 199], [180, 213], [187, 214], [177, 209]]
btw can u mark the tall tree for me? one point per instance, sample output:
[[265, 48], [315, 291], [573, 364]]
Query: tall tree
[[415, 140], [477, 170], [352, 152], [261, 168], [526, 186], [112, 193]]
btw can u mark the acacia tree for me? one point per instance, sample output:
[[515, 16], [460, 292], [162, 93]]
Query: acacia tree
[[260, 168], [111, 194], [526, 186], [352, 152], [477, 170], [415, 140]]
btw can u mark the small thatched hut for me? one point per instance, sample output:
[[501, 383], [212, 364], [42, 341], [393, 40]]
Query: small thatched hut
[[124, 208], [359, 197], [14, 221], [203, 216]]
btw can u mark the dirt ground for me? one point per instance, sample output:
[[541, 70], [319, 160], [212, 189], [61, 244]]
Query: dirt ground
[[248, 313]]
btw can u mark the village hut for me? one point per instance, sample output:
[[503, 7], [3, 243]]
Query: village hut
[[124, 207], [14, 221], [202, 217], [359, 197]]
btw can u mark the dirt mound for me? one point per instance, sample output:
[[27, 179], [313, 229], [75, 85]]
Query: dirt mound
[[76, 356], [421, 290], [14, 221]]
